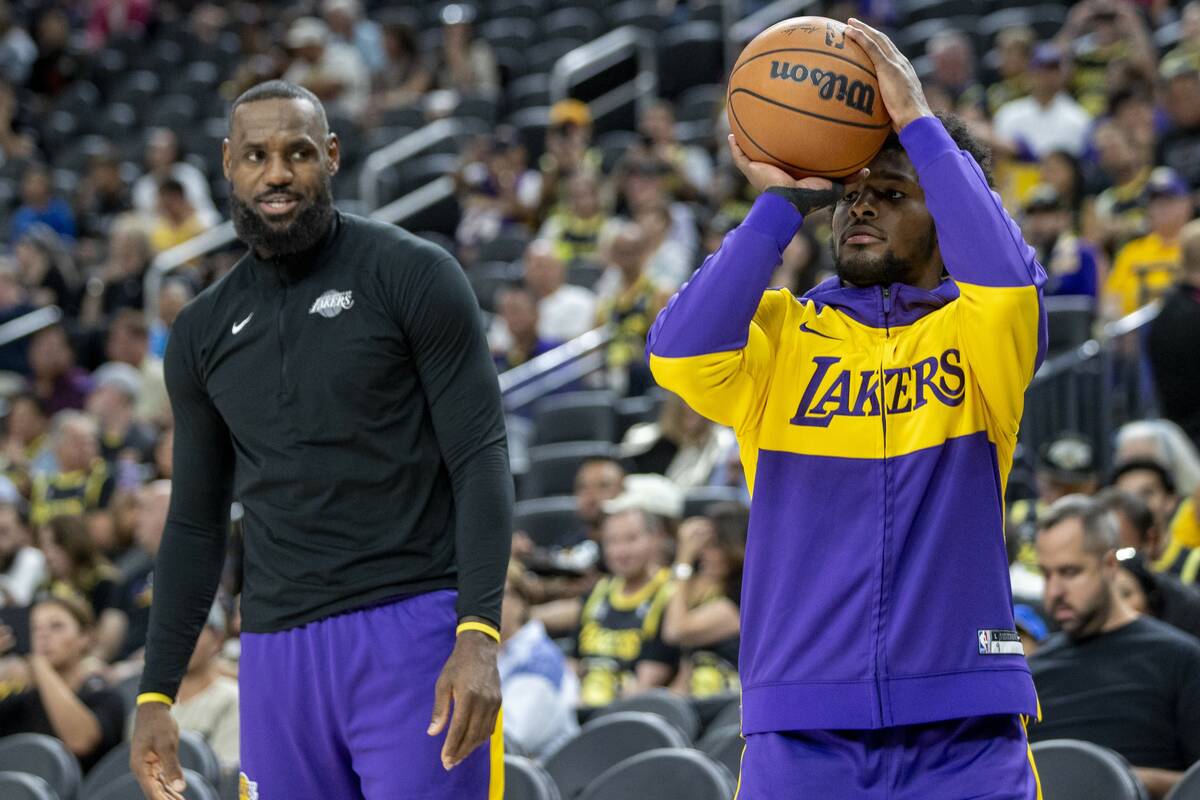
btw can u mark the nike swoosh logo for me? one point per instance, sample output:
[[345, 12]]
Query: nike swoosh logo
[[804, 327], [237, 326]]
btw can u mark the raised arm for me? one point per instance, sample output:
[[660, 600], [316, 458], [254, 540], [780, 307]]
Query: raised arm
[[1002, 323], [714, 344]]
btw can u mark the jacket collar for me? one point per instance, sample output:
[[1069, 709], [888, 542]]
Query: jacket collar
[[902, 304], [289, 269]]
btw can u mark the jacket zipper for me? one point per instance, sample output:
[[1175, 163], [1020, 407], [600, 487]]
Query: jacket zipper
[[880, 633]]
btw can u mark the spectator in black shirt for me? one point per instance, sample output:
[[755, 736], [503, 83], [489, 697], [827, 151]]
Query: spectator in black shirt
[[1174, 339], [1111, 677], [57, 695]]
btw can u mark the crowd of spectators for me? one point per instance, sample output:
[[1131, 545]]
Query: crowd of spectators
[[1095, 131]]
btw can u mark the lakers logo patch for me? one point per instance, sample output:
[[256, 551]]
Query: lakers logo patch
[[247, 789]]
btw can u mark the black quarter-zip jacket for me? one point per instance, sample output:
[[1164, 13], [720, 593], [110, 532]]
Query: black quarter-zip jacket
[[346, 397]]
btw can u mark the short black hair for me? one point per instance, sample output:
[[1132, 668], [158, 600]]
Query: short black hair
[[962, 136], [1149, 465], [171, 186], [280, 90]]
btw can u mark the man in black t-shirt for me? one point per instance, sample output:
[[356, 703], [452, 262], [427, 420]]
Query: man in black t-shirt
[[1111, 677]]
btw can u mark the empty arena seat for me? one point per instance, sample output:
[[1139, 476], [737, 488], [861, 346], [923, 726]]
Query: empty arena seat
[[525, 780], [547, 520], [1188, 787], [552, 467], [126, 788], [576, 417], [21, 786], [43, 756], [195, 754], [724, 745], [689, 54], [1068, 321], [605, 742], [664, 775], [662, 703], [1074, 770]]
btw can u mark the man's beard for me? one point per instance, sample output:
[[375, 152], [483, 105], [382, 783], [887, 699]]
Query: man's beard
[[1090, 621], [305, 229], [861, 269]]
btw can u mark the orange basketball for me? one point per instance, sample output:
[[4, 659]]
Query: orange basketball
[[804, 97]]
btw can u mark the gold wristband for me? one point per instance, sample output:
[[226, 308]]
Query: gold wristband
[[477, 626], [154, 697]]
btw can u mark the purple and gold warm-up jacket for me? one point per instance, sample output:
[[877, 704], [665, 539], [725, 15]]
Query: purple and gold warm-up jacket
[[877, 428]]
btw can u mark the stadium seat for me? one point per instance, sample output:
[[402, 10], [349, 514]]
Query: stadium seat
[[572, 23], [138, 88], [731, 714], [912, 38], [1068, 322], [1074, 770], [700, 103], [696, 500], [724, 745], [43, 756], [531, 124], [195, 754], [637, 409], [546, 519], [918, 10], [515, 32], [605, 742], [543, 55], [710, 707], [20, 786], [1045, 20], [477, 106], [126, 788], [575, 417], [1188, 787], [665, 774], [584, 272], [508, 246], [689, 54], [488, 278], [636, 13], [660, 702], [174, 111], [81, 97], [529, 9], [529, 91], [552, 467], [525, 780]]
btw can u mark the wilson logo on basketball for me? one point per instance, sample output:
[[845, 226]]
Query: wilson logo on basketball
[[855, 95]]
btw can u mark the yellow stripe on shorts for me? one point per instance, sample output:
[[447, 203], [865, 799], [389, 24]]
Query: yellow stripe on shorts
[[496, 781]]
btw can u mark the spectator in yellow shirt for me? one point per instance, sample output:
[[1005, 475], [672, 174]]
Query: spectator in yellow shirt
[[177, 220], [1147, 266]]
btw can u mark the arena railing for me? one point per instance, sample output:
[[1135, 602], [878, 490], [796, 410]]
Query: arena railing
[[570, 362], [1092, 389], [29, 324], [605, 52]]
